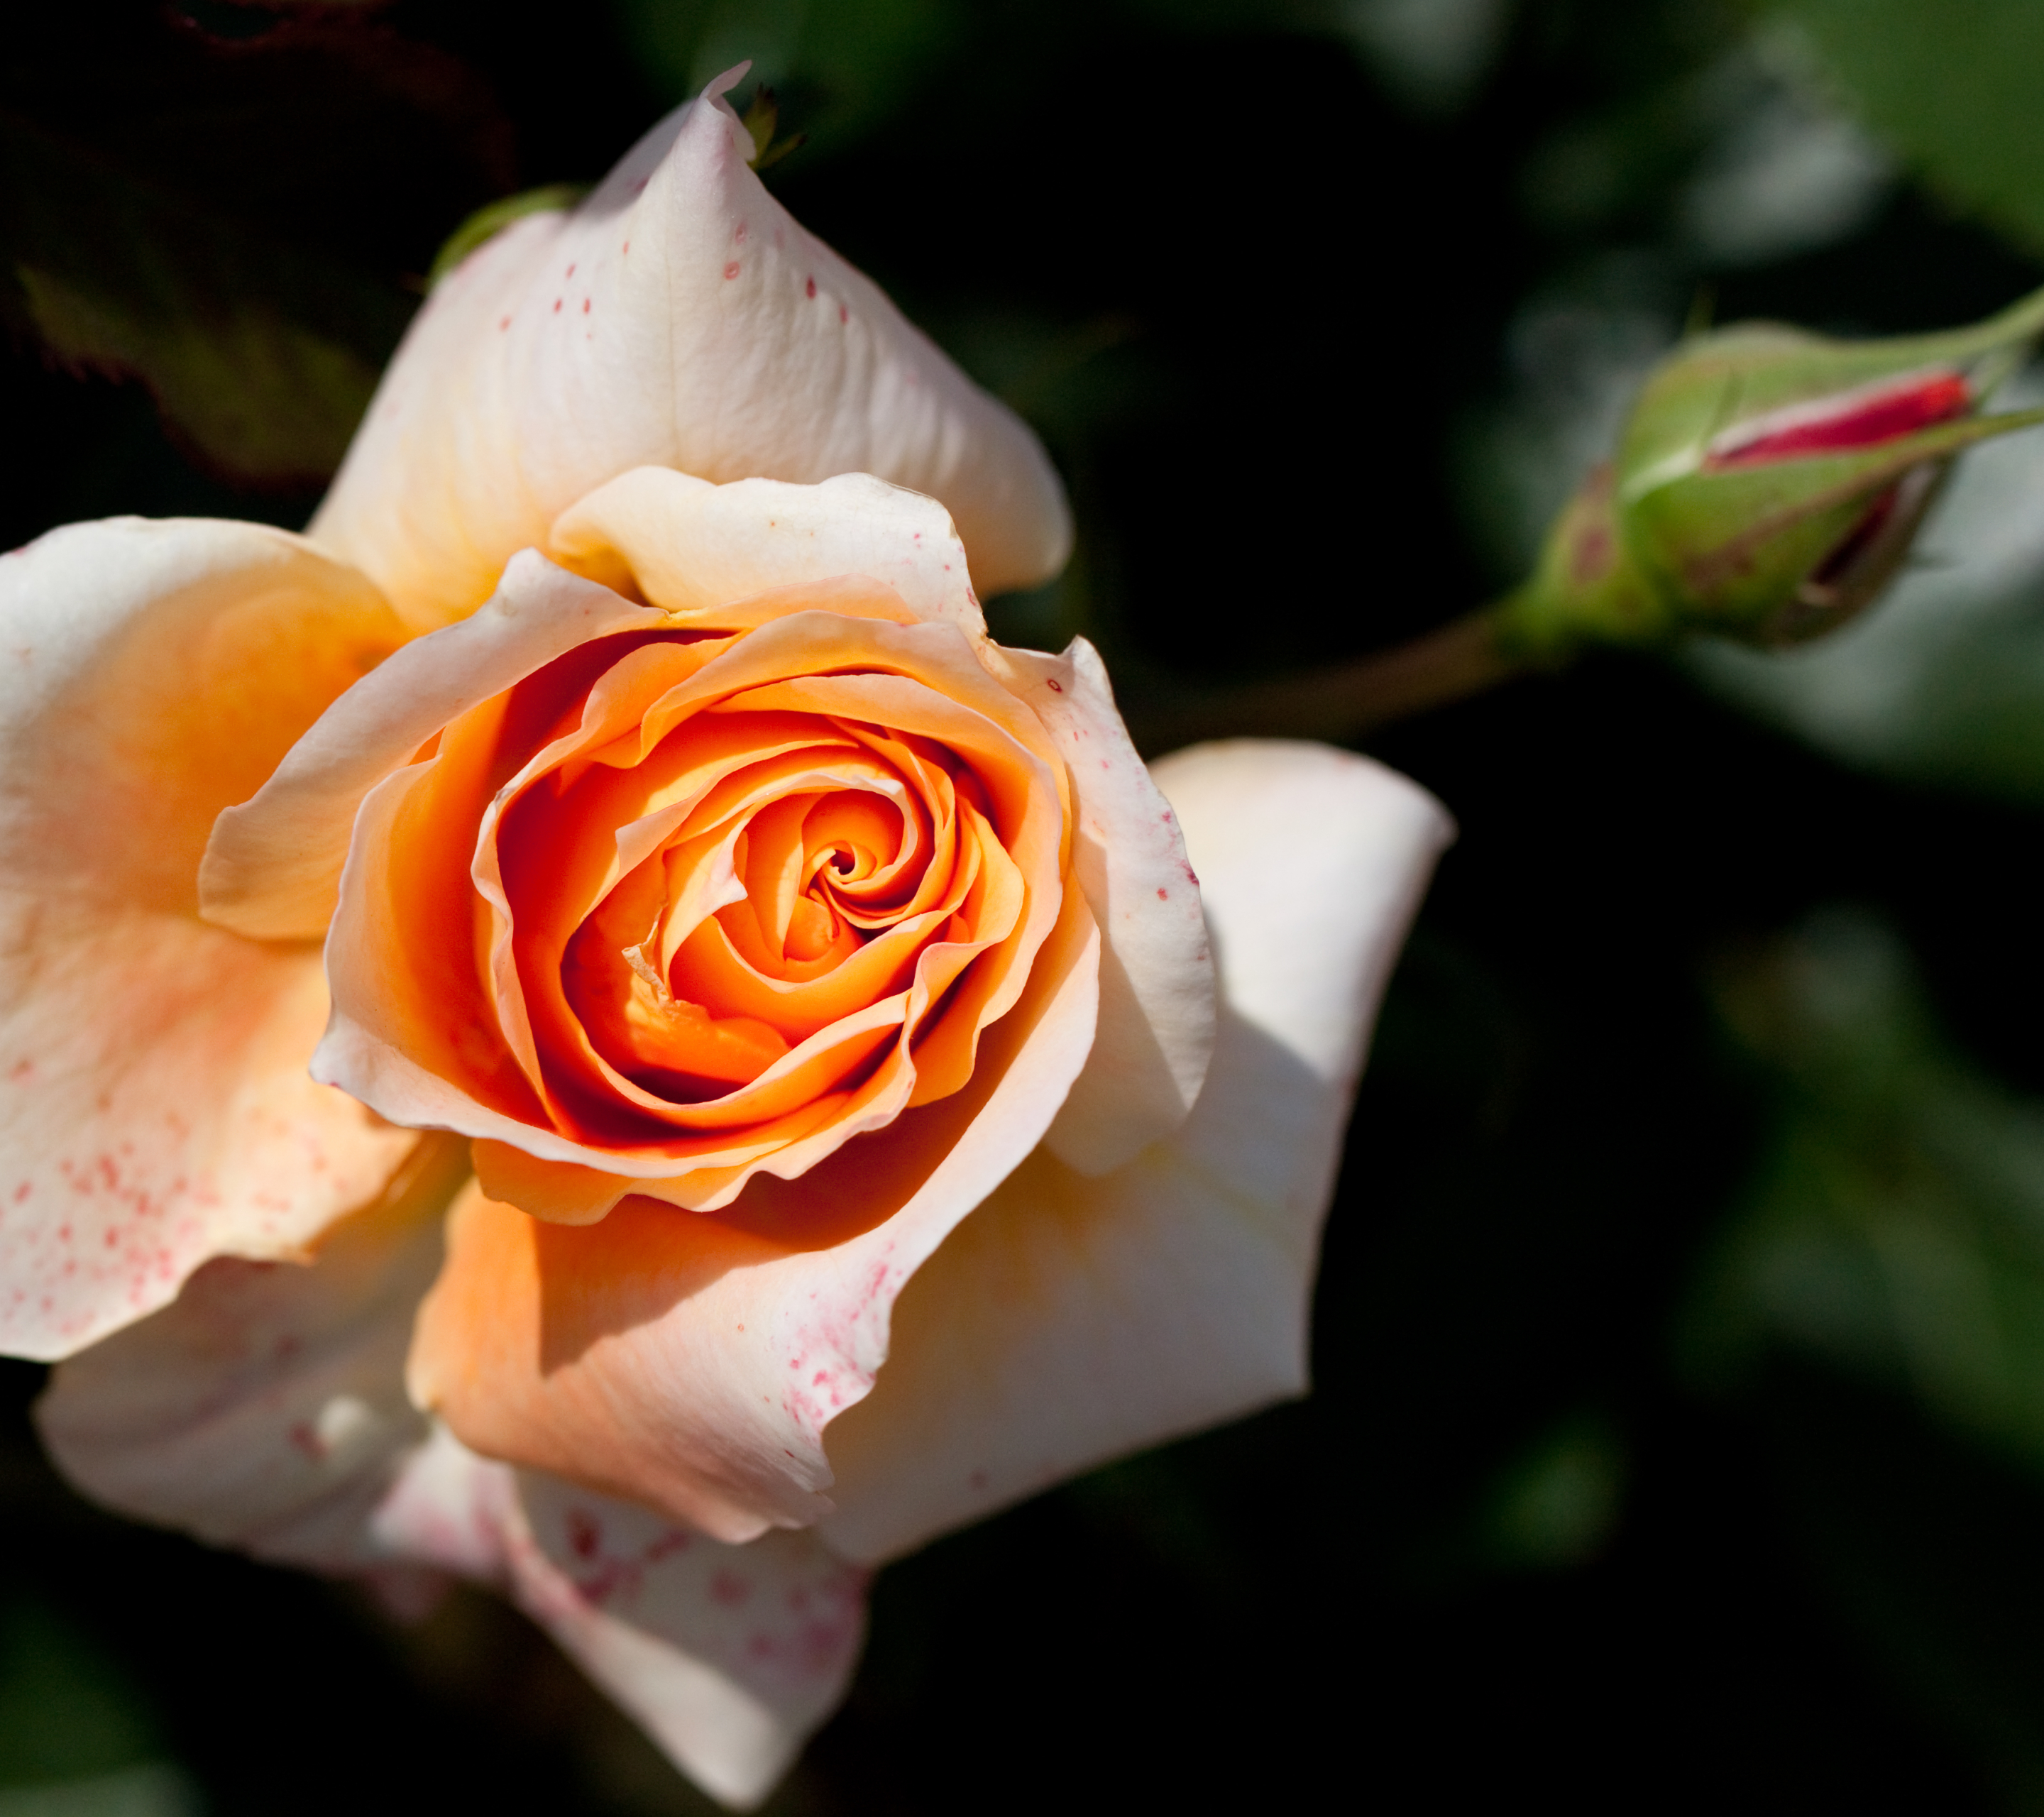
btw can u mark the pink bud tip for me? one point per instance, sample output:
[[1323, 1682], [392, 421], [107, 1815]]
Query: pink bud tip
[[1854, 420]]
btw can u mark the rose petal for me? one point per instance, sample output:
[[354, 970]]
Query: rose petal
[[266, 1408], [729, 1655], [272, 867], [415, 1036], [154, 1106], [690, 1362], [1157, 1001], [690, 547], [1070, 1319], [678, 318]]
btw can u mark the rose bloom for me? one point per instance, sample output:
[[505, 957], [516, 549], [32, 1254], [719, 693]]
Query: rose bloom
[[583, 1026]]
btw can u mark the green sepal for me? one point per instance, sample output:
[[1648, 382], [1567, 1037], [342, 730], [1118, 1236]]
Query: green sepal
[[490, 220], [1715, 380]]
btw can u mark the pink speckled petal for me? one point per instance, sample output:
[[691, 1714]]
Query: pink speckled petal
[[690, 1362], [728, 1655], [265, 1407], [266, 1410], [690, 547], [154, 1109], [272, 866], [1070, 1318], [1157, 999], [678, 318]]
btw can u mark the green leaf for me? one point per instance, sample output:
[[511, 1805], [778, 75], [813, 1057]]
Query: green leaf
[[261, 356], [490, 220], [230, 221], [1952, 85], [65, 1711], [1557, 1504], [1894, 1229]]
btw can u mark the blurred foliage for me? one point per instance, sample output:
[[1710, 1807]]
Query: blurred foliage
[[1951, 84], [1894, 1225], [183, 207], [1893, 1233], [1678, 1420]]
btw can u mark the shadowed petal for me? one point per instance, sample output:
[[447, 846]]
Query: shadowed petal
[[729, 1655], [154, 1109], [1156, 971], [678, 318], [689, 547], [265, 1408], [1069, 1319]]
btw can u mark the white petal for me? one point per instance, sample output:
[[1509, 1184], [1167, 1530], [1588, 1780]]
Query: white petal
[[689, 546], [1156, 1000], [1070, 1319], [154, 1109], [266, 1408], [728, 1655], [678, 318]]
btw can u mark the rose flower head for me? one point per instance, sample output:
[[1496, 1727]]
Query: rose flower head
[[583, 1026], [1768, 484]]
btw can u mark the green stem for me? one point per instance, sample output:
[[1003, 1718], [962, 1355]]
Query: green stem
[[1462, 658]]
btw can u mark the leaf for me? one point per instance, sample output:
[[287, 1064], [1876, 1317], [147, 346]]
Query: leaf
[[229, 222], [1894, 1229], [261, 358], [490, 220], [66, 1712], [1556, 1506], [1952, 85]]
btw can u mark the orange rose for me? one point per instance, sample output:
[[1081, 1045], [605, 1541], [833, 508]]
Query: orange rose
[[685, 895], [795, 1095]]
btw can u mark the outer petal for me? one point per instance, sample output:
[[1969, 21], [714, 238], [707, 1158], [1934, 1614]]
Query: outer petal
[[728, 1655], [154, 1109], [272, 866], [1069, 1319], [678, 318], [690, 1362], [689, 547], [1156, 968], [266, 1408]]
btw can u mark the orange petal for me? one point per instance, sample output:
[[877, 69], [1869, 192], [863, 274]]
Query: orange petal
[[691, 1362]]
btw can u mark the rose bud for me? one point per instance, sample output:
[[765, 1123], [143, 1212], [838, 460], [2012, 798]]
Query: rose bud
[[1768, 485]]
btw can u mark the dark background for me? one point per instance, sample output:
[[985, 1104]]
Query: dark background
[[1588, 1505]]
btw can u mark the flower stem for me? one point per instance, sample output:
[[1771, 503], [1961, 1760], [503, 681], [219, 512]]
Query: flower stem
[[1462, 658]]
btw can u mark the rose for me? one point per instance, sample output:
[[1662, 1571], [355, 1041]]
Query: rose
[[1002, 1199], [685, 897]]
